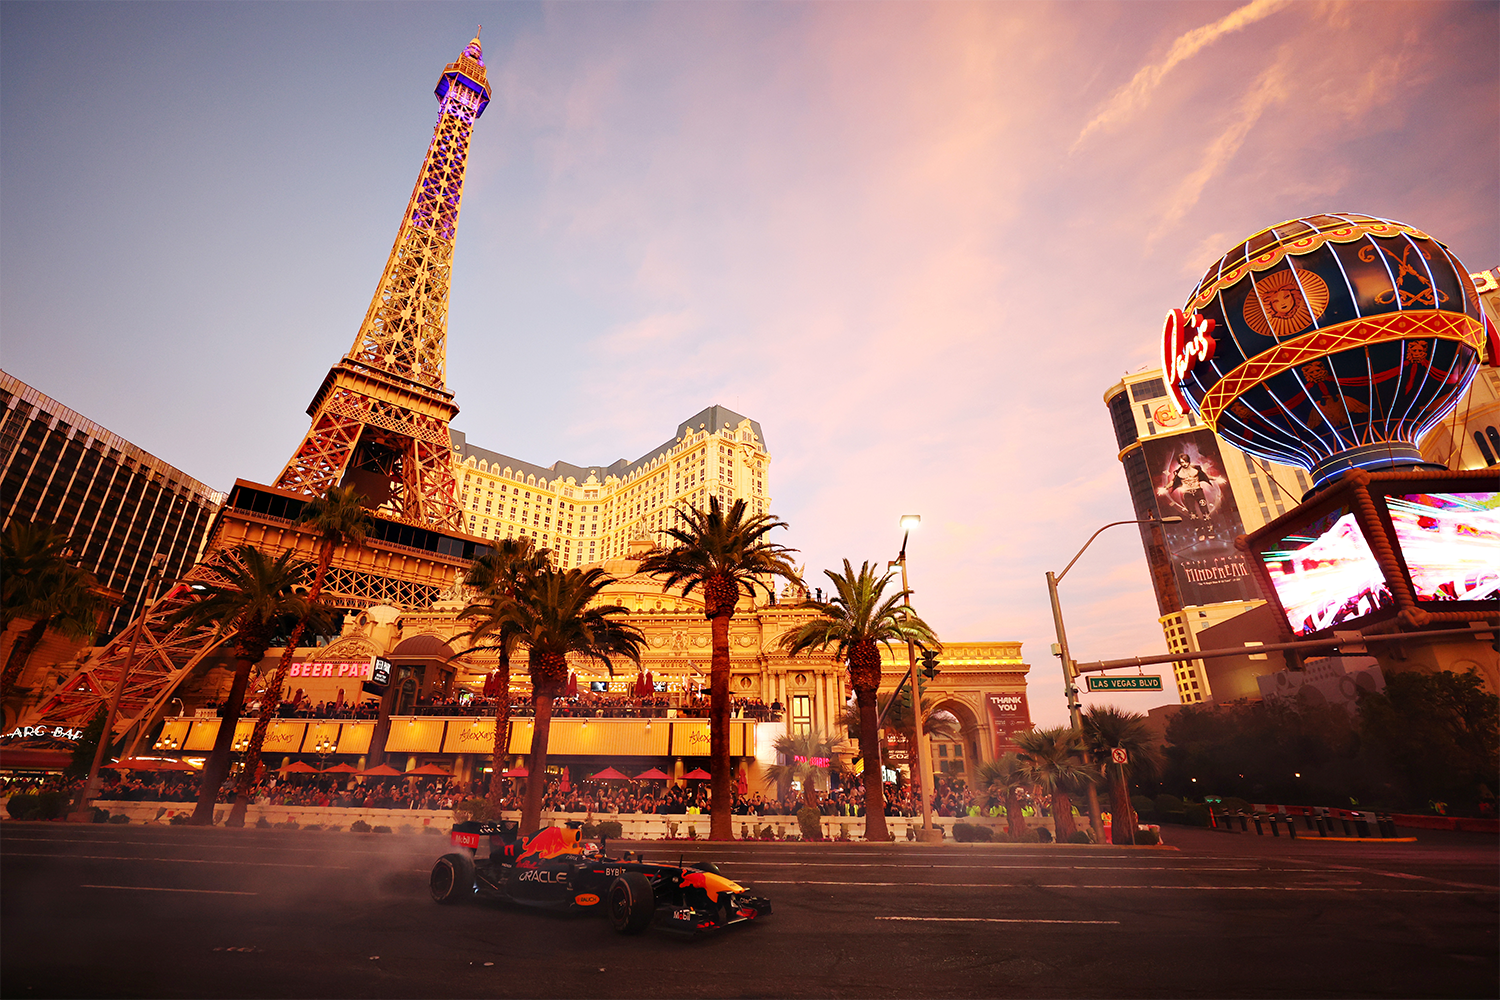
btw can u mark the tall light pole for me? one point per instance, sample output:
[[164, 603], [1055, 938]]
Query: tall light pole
[[1070, 675], [924, 752]]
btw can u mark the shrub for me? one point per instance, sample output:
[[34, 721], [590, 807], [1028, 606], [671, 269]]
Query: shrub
[[1143, 806], [1196, 814], [262, 824], [380, 829], [692, 832], [1147, 837], [1043, 835], [428, 829], [1081, 837], [766, 833], [406, 830], [1233, 802], [313, 826], [589, 830], [358, 826], [1168, 804], [611, 829], [21, 805], [976, 833], [1001, 836], [290, 824], [810, 822], [120, 819], [1032, 835], [178, 819]]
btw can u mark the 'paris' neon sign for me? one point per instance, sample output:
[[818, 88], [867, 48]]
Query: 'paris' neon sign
[[1185, 341]]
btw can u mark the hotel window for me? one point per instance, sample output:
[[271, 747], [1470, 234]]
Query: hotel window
[[801, 714]]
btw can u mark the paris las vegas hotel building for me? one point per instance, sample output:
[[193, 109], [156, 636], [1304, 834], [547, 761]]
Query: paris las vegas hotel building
[[402, 590]]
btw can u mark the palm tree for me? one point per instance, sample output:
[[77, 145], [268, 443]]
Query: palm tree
[[809, 757], [1106, 728], [1003, 780], [251, 595], [1050, 758], [726, 553], [339, 518], [856, 622], [499, 575], [552, 618], [40, 583]]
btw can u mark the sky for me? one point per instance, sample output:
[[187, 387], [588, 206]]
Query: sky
[[916, 242]]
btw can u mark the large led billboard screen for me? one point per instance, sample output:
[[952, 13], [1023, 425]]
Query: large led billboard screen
[[1450, 542], [1325, 574]]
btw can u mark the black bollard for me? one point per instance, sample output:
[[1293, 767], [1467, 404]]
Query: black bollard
[[1275, 832], [1307, 818], [1244, 823], [1291, 828], [1258, 830]]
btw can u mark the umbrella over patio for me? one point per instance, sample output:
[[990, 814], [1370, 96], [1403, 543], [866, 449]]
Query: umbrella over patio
[[340, 769], [608, 774], [380, 771], [652, 775], [299, 768], [516, 772], [697, 774], [430, 769], [152, 764]]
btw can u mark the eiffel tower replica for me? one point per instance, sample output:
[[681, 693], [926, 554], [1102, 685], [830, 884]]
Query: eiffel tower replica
[[379, 424]]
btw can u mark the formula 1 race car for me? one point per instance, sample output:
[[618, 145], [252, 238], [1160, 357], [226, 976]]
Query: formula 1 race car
[[558, 869]]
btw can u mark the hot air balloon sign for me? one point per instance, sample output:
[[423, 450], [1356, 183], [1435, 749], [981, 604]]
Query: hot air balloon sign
[[1331, 343]]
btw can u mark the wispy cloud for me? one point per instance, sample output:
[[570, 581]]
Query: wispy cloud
[[1270, 88], [1134, 96]]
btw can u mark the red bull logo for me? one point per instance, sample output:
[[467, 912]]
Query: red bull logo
[[552, 842], [711, 884]]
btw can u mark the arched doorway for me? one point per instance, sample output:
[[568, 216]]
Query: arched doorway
[[958, 753]]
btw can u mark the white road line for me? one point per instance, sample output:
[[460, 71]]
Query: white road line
[[997, 920], [154, 888], [984, 867], [1123, 888], [185, 861]]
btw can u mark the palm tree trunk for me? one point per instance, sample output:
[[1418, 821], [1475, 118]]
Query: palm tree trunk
[[218, 761], [721, 816], [502, 722], [869, 749], [250, 773], [1014, 820], [20, 652], [536, 780], [1062, 815]]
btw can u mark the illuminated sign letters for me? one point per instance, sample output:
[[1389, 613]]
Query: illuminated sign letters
[[1185, 341]]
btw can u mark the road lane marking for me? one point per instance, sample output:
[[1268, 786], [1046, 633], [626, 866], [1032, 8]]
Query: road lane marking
[[997, 920], [185, 861], [155, 888], [1353, 887], [1404, 875]]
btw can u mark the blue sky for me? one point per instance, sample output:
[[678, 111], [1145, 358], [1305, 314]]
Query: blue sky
[[915, 241]]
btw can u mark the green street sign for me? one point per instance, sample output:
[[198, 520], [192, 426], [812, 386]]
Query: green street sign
[[1124, 683]]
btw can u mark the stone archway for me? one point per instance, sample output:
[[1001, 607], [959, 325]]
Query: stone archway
[[972, 747]]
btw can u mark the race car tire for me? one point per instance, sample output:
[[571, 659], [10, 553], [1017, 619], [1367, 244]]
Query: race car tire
[[632, 902], [452, 879]]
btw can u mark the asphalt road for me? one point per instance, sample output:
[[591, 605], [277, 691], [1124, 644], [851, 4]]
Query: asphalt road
[[121, 911]]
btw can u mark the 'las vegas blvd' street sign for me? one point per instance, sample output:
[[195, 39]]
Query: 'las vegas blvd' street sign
[[1124, 683]]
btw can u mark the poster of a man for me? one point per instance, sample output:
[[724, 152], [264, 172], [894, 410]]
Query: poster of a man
[[1194, 485]]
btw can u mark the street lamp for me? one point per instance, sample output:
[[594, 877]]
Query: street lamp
[[1070, 675], [924, 751]]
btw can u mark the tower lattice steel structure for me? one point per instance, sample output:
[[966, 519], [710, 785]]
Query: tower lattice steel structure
[[380, 419], [379, 423]]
